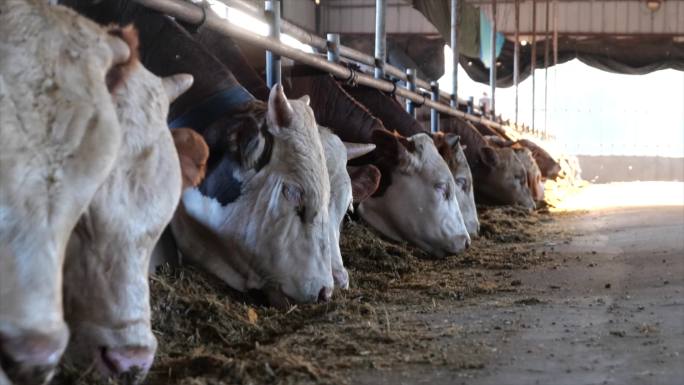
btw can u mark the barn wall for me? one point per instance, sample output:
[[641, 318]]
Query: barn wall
[[592, 17], [300, 12], [358, 16]]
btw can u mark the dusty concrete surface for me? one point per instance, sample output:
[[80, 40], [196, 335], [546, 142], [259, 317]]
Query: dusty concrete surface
[[608, 309]]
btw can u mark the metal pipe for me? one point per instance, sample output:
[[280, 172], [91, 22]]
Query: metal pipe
[[516, 57], [333, 47], [470, 105], [434, 114], [533, 62], [273, 67], [191, 13], [319, 43], [492, 67], [380, 38], [455, 54], [411, 86], [546, 69]]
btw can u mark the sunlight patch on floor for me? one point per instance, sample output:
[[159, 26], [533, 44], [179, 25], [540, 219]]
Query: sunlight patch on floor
[[624, 194]]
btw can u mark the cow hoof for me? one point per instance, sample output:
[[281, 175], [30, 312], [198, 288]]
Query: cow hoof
[[31, 358], [325, 294], [129, 364]]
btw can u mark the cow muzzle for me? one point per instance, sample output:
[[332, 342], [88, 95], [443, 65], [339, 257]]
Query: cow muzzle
[[31, 357], [127, 365]]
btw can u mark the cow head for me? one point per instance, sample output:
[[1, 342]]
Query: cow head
[[418, 204], [58, 141], [502, 178], [272, 234], [534, 177], [449, 146], [106, 292], [341, 195]]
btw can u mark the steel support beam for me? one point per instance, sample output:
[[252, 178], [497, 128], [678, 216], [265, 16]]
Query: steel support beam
[[411, 86], [434, 114], [492, 67], [380, 38], [456, 53], [273, 67]]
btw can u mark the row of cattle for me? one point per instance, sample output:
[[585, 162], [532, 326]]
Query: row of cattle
[[91, 175]]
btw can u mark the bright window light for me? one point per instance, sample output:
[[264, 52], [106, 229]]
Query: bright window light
[[248, 22]]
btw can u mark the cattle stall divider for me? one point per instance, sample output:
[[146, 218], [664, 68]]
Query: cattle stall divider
[[193, 13]]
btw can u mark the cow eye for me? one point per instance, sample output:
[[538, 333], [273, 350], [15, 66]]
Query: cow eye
[[443, 189], [462, 183]]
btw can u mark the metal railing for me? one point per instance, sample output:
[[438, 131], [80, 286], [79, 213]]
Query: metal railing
[[194, 14]]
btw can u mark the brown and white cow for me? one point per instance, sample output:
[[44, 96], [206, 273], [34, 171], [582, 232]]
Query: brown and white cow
[[263, 198], [524, 155], [59, 136], [549, 168], [393, 115], [424, 213], [358, 184], [498, 175], [106, 293]]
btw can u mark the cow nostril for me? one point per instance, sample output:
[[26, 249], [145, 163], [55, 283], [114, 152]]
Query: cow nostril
[[467, 244], [31, 358], [325, 294], [129, 361]]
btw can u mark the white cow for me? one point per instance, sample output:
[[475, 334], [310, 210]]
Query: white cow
[[336, 155], [433, 222], [106, 292], [273, 235], [59, 136], [449, 146]]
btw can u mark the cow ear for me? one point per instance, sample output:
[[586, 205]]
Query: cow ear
[[193, 153], [452, 140], [280, 113], [305, 99], [365, 180], [489, 157]]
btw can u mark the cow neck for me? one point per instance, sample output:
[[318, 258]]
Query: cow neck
[[333, 106], [230, 55], [470, 137], [387, 109], [167, 49], [212, 108]]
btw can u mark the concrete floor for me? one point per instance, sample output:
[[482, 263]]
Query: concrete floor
[[608, 310]]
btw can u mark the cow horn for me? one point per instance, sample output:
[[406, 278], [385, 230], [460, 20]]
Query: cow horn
[[120, 50], [355, 150], [175, 85]]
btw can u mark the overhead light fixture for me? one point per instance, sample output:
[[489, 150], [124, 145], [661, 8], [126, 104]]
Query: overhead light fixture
[[653, 5], [318, 2], [523, 42]]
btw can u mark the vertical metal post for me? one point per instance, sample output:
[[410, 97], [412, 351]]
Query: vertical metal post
[[434, 114], [546, 69], [411, 86], [516, 57], [533, 62], [333, 47], [492, 68], [456, 53], [471, 105], [272, 13], [380, 38]]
